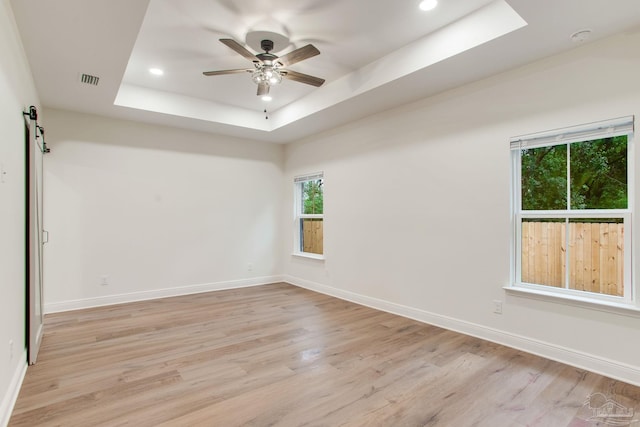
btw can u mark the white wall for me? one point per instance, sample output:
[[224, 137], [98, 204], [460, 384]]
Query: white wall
[[160, 211], [417, 205], [17, 92]]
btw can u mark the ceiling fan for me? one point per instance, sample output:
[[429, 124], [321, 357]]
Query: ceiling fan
[[269, 69]]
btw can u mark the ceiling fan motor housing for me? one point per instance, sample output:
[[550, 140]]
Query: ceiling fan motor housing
[[266, 45]]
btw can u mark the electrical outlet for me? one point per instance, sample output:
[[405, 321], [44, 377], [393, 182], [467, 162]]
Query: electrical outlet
[[497, 306], [249, 267], [10, 349], [104, 281]]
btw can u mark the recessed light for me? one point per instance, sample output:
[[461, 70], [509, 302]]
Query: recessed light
[[428, 4], [581, 36], [156, 71], [267, 98]]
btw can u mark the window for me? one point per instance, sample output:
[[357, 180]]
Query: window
[[309, 214], [572, 211]]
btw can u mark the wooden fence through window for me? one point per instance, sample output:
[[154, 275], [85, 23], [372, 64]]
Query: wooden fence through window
[[595, 255], [312, 235]]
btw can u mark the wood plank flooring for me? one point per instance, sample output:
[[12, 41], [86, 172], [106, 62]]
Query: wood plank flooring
[[278, 355]]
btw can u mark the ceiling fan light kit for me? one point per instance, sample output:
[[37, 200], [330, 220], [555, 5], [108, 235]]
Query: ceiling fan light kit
[[269, 69], [266, 74]]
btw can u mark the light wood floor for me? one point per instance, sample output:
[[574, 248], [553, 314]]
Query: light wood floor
[[279, 355]]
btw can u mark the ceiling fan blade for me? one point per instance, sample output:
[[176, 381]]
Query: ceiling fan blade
[[263, 89], [240, 49], [221, 72], [302, 78], [298, 55]]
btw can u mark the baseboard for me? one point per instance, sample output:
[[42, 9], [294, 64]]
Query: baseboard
[[56, 307], [10, 397], [581, 360]]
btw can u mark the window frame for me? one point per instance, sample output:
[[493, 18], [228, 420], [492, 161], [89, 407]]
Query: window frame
[[567, 136], [299, 216]]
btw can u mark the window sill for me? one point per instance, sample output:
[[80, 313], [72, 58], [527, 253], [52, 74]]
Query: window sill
[[308, 255], [621, 308]]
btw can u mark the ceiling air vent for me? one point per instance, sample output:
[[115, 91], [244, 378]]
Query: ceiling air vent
[[89, 79]]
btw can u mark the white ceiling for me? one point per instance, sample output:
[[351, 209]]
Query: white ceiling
[[375, 54]]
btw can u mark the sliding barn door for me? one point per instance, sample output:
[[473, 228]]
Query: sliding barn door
[[34, 235]]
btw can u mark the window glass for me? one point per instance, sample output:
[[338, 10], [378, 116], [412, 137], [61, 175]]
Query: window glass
[[596, 255], [312, 197], [593, 248], [544, 178], [599, 174], [543, 251], [309, 214]]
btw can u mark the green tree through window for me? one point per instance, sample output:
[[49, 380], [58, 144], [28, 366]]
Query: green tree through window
[[544, 178], [597, 175], [312, 197]]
